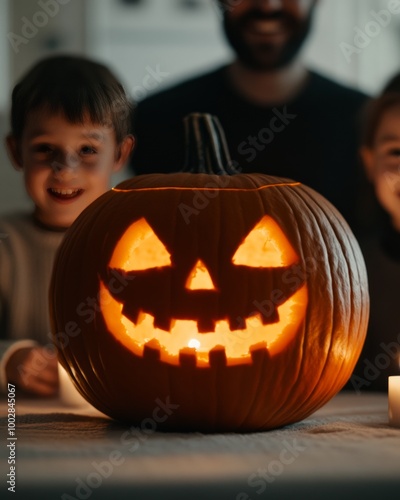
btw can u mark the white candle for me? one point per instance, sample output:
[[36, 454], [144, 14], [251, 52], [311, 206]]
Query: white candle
[[394, 401]]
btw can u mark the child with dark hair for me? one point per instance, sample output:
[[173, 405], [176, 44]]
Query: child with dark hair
[[380, 152], [70, 131]]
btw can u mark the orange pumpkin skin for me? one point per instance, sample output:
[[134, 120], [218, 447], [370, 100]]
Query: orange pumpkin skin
[[207, 217]]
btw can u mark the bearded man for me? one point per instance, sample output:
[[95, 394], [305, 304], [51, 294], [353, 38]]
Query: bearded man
[[279, 117]]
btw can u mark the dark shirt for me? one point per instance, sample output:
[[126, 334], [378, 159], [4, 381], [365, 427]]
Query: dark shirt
[[311, 139], [380, 356]]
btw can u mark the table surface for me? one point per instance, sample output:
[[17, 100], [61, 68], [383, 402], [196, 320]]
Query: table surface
[[346, 449]]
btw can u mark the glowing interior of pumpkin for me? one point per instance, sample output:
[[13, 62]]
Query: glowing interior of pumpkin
[[265, 246]]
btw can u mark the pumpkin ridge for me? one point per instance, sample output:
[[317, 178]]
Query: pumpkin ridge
[[96, 354], [329, 211], [311, 205], [356, 280], [352, 279], [299, 194], [287, 402], [326, 209]]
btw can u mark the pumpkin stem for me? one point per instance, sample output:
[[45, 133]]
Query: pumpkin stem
[[206, 147]]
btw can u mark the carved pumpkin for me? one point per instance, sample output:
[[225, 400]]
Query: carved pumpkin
[[239, 299]]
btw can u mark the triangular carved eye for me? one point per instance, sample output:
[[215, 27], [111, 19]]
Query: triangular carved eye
[[199, 278], [265, 246], [139, 249]]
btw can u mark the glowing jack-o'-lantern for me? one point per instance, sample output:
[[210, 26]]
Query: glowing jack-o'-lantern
[[241, 299]]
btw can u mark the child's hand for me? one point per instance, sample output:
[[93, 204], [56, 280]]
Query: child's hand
[[34, 370]]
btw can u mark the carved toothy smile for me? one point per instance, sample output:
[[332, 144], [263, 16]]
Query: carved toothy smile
[[184, 337]]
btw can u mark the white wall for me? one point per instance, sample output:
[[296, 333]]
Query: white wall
[[156, 34], [4, 59], [337, 22]]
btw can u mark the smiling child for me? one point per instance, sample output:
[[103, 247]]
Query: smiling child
[[70, 131], [380, 152]]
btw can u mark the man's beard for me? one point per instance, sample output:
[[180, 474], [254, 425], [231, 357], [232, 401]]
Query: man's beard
[[267, 56]]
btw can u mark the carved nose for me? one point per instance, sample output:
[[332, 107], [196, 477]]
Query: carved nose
[[199, 278]]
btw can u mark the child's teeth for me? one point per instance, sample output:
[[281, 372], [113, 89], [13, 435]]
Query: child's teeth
[[65, 191]]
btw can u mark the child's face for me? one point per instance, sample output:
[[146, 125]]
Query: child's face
[[382, 162], [66, 166]]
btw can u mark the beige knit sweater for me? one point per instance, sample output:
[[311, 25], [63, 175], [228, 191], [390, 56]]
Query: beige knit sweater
[[27, 254]]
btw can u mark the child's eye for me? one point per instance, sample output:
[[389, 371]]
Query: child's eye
[[395, 152], [43, 148], [88, 150]]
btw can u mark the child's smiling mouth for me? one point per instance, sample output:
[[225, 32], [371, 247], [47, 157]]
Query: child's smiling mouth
[[65, 194]]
